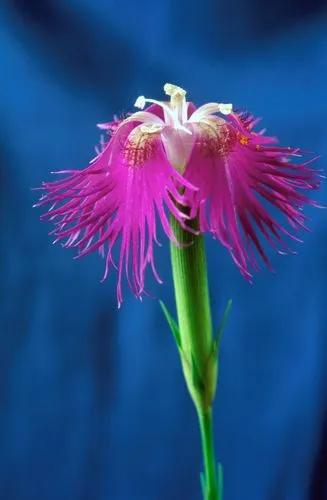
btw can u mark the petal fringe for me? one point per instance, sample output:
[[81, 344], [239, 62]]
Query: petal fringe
[[112, 204], [237, 171]]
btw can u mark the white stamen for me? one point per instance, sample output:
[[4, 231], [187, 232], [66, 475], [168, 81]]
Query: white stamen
[[145, 117], [177, 102], [140, 102], [174, 91], [209, 109], [226, 109]]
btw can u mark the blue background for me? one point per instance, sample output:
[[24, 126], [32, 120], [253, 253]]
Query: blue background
[[92, 400]]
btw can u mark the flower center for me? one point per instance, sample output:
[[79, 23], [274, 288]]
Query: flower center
[[177, 131], [175, 110], [177, 103]]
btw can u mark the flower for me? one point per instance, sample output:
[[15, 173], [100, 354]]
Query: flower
[[205, 162]]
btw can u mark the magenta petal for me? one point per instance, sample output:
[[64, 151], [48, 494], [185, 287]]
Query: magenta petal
[[113, 204], [233, 184]]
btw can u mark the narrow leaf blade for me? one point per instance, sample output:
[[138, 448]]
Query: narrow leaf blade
[[203, 485], [196, 377], [222, 324], [172, 324]]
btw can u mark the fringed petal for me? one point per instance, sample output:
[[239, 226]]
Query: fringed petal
[[236, 172], [114, 203]]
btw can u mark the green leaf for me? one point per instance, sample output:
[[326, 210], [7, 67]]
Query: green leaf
[[172, 324], [196, 378], [221, 326]]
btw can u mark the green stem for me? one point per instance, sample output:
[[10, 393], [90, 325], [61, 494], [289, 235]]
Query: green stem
[[208, 450], [191, 291], [198, 356]]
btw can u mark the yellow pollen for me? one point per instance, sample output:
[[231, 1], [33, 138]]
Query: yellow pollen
[[244, 140]]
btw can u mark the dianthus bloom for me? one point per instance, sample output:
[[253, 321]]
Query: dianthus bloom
[[204, 162]]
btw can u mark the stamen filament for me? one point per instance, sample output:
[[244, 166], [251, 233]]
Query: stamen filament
[[141, 100]]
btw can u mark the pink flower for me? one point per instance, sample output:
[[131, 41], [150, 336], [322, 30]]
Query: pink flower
[[169, 156]]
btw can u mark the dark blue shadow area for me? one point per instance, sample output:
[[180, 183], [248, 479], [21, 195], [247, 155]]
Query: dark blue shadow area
[[92, 401]]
